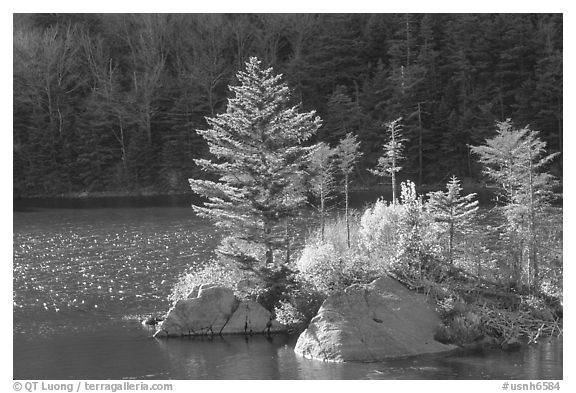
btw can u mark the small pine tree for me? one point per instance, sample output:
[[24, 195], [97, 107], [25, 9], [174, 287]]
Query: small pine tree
[[393, 153], [322, 183], [347, 153], [452, 209], [259, 162], [514, 159]]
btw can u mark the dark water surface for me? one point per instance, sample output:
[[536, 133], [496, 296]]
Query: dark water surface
[[84, 277]]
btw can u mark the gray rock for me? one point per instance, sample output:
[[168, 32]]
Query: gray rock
[[372, 322], [205, 314], [250, 318], [215, 310]]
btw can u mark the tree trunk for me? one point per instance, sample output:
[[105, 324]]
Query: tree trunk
[[451, 244], [287, 240], [49, 100], [533, 262], [469, 160], [123, 147], [501, 104], [60, 119], [346, 210], [407, 40], [560, 141], [268, 243], [357, 91], [393, 186], [148, 119], [322, 197], [211, 98], [394, 151], [419, 147]]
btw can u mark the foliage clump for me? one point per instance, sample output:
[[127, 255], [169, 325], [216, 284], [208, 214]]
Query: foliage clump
[[214, 272], [434, 245], [330, 264]]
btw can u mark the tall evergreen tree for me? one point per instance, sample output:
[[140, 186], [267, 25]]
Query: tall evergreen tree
[[347, 153], [388, 163], [514, 159], [322, 182], [259, 161]]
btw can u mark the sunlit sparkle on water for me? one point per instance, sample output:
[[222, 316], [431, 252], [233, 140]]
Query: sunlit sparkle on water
[[105, 261]]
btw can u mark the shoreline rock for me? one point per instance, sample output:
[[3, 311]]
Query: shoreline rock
[[214, 310], [372, 322]]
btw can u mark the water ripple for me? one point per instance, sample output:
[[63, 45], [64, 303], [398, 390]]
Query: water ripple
[[107, 261]]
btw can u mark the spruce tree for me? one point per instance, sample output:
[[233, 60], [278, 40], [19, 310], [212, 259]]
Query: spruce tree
[[452, 209], [514, 159], [388, 163], [322, 184], [347, 154], [259, 162]]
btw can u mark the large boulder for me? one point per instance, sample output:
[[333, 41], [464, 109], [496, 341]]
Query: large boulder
[[210, 310], [372, 322]]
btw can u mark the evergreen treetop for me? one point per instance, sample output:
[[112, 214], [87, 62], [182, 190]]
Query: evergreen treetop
[[322, 181], [451, 206], [347, 153], [388, 163], [514, 159], [453, 210]]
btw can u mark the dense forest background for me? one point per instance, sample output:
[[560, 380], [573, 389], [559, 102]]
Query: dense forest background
[[112, 102]]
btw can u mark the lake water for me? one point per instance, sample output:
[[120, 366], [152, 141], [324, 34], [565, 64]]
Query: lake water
[[84, 277]]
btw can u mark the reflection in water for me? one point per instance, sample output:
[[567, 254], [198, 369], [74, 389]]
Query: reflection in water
[[256, 357], [125, 352], [231, 357]]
